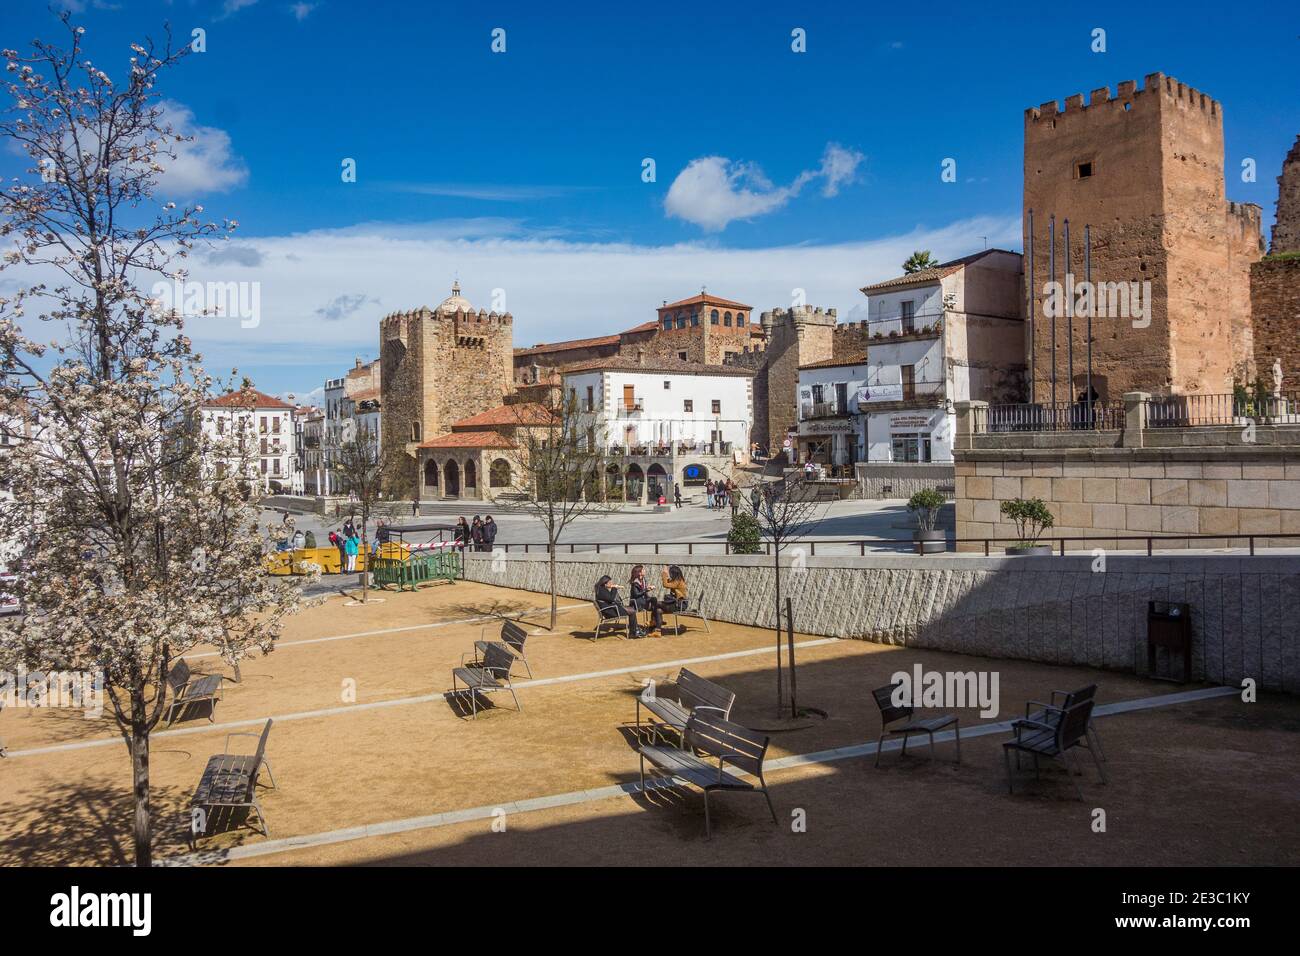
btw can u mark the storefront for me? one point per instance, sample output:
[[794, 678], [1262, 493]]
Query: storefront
[[831, 441], [914, 437]]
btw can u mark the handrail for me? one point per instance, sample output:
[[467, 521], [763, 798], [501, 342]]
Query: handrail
[[1151, 541]]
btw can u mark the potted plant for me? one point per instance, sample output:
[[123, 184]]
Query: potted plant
[[925, 504], [1031, 519]]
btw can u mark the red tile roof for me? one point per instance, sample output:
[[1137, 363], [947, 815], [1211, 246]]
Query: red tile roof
[[247, 398], [933, 274], [657, 366], [650, 326], [469, 440], [703, 298], [544, 347], [859, 358], [522, 413]]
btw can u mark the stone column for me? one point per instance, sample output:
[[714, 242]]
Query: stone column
[[968, 414], [1135, 418]]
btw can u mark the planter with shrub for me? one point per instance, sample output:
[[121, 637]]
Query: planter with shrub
[[925, 505], [1031, 519], [745, 536]]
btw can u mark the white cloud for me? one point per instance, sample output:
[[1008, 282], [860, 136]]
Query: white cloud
[[301, 11], [713, 191], [231, 7], [204, 165]]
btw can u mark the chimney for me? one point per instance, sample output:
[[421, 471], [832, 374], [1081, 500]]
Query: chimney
[[640, 356]]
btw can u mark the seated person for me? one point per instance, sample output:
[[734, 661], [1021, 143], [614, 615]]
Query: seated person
[[675, 585], [611, 604], [643, 600]]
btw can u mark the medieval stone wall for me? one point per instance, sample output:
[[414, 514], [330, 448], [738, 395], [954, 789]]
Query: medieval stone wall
[[1286, 228], [1275, 312]]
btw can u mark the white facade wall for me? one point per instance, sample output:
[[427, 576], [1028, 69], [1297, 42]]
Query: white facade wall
[[270, 440], [669, 407]]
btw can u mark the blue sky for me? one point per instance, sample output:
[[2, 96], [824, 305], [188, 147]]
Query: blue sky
[[521, 171]]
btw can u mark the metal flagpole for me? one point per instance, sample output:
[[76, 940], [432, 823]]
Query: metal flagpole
[[1092, 305], [1051, 268], [1032, 341], [1069, 323]]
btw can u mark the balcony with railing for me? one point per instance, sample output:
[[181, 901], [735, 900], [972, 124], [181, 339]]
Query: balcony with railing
[[811, 410], [630, 407], [1158, 412], [884, 329]]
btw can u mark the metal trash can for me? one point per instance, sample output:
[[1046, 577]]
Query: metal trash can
[[1169, 625]]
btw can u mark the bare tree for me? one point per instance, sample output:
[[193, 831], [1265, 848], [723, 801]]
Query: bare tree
[[135, 550], [363, 469], [560, 473], [786, 510]]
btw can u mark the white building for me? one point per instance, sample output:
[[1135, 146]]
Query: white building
[[950, 333], [666, 421], [264, 427]]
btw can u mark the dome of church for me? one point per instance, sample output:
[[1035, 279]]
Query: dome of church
[[455, 302]]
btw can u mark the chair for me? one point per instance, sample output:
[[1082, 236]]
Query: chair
[[609, 616], [230, 780], [514, 637], [705, 739], [1055, 738], [1067, 699], [690, 608], [694, 693], [890, 712], [485, 674], [188, 689]]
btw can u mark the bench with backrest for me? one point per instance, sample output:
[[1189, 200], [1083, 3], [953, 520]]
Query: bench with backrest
[[488, 672], [609, 617], [1063, 700], [891, 712], [691, 607], [230, 780], [512, 636], [694, 693], [1054, 738], [189, 689], [712, 746]]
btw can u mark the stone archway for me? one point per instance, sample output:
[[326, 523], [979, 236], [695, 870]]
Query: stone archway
[[694, 474], [658, 484], [471, 475], [431, 474], [451, 480], [632, 483]]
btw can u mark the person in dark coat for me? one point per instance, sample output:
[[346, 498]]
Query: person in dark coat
[[611, 604], [489, 533], [642, 600], [476, 533], [462, 532]]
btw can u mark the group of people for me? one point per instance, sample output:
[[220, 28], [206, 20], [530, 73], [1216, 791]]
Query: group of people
[[348, 540], [478, 536], [719, 494], [640, 598]]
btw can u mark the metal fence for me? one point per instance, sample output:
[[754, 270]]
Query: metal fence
[[1188, 411], [1050, 417]]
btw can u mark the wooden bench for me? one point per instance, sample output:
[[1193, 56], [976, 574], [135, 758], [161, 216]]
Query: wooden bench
[[230, 780], [485, 674], [188, 689], [694, 693], [711, 744], [1055, 738], [512, 636], [891, 712]]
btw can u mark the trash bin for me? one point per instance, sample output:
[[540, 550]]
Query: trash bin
[[1169, 625]]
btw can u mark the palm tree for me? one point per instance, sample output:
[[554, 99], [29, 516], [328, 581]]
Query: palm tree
[[921, 259]]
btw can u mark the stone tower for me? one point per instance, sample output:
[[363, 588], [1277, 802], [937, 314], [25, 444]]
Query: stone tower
[[1144, 169], [438, 366], [1286, 229], [795, 337]]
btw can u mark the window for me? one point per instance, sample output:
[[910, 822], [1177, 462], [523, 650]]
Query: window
[[695, 319], [275, 466], [415, 431], [909, 382], [275, 425], [841, 398], [629, 396], [221, 426], [264, 466], [907, 315], [682, 356], [263, 428], [668, 322], [681, 320], [1083, 170], [717, 406], [911, 447], [591, 398], [667, 384], [263, 446], [726, 318], [713, 317], [740, 318], [819, 394], [688, 405]]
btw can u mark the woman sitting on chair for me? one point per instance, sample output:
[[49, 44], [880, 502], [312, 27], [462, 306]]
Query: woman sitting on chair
[[643, 600], [675, 585], [611, 604]]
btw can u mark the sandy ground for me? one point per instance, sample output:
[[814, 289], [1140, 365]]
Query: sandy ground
[[1210, 782]]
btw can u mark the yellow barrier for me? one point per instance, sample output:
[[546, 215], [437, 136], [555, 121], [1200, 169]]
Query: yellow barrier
[[327, 559]]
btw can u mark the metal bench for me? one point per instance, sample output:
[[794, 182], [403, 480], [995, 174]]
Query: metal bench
[[693, 607], [230, 780], [485, 674], [188, 689], [710, 745], [1055, 738], [890, 712], [1063, 700], [609, 617], [512, 636], [694, 693]]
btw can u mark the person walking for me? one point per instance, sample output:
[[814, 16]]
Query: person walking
[[708, 494], [733, 497], [489, 533], [677, 494]]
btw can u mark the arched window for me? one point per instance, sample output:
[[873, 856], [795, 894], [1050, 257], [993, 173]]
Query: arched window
[[695, 319], [726, 318], [415, 431], [431, 474], [740, 318], [681, 320], [471, 474], [713, 317], [499, 474], [668, 322]]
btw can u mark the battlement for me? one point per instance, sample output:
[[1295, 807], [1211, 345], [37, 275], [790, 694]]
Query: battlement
[[1126, 99], [751, 358], [390, 323], [802, 314]]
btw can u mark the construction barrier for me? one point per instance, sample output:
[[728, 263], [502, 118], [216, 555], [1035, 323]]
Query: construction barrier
[[409, 572]]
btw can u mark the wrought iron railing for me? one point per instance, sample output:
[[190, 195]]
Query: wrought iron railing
[[1190, 411], [1050, 417]]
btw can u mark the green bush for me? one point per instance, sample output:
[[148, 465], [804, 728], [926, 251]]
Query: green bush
[[744, 536], [1031, 518], [925, 504]]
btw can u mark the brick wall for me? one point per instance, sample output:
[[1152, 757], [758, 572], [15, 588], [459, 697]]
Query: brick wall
[[1275, 313]]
